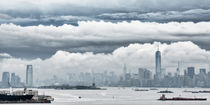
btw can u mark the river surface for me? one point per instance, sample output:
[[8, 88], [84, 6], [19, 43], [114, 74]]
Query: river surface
[[122, 96]]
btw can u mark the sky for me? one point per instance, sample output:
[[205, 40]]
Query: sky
[[66, 34]]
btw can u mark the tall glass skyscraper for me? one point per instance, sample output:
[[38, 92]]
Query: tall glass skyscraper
[[29, 76], [12, 79], [5, 77], [158, 64]]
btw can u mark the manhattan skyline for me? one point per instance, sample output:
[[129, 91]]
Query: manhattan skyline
[[59, 37]]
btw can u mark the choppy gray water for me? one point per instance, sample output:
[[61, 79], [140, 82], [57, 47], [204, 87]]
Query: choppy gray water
[[122, 96]]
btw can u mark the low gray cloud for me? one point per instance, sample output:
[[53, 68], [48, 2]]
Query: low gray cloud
[[5, 56]]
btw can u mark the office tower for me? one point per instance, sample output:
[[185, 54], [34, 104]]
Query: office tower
[[6, 77], [202, 71], [141, 73], [127, 77], [17, 81], [185, 72], [179, 69], [124, 71], [158, 64], [191, 72], [13, 79], [144, 76], [29, 76], [147, 74]]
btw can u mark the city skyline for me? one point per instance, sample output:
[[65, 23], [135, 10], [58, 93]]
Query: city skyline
[[158, 74], [170, 63], [15, 81], [107, 52], [70, 36]]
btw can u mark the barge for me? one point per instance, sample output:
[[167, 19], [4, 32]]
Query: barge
[[163, 98], [25, 96]]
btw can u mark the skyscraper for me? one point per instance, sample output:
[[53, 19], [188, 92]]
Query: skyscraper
[[29, 76], [6, 77], [191, 71], [158, 64], [141, 73], [124, 71], [13, 79], [202, 71], [144, 73], [179, 69], [144, 76]]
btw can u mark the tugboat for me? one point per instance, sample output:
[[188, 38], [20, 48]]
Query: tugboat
[[163, 98]]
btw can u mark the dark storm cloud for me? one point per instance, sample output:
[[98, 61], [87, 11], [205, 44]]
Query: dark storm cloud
[[194, 15], [51, 12]]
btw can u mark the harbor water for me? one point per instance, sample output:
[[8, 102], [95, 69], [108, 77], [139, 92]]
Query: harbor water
[[122, 96]]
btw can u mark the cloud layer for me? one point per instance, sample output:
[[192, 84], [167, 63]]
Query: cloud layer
[[134, 56], [44, 41]]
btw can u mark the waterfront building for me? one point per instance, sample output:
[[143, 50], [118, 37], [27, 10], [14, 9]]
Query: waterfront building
[[6, 77], [13, 79], [29, 76]]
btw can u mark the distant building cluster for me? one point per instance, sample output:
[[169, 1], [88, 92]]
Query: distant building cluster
[[13, 80], [85, 78], [143, 78]]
